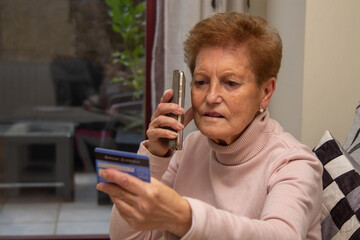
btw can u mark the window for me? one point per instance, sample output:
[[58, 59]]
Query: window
[[72, 78]]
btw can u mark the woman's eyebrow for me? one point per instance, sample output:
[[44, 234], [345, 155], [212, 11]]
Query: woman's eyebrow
[[232, 74], [200, 73]]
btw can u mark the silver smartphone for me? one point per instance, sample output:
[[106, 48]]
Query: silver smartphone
[[178, 86]]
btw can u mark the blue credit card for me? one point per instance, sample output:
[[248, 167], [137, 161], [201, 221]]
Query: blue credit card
[[134, 164]]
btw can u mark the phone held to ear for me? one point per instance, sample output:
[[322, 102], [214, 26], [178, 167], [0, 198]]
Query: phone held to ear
[[178, 86]]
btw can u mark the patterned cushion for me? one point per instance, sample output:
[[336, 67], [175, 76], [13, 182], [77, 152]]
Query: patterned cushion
[[352, 142], [340, 211]]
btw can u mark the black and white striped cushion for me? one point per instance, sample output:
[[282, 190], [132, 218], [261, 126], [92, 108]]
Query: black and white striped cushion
[[341, 191]]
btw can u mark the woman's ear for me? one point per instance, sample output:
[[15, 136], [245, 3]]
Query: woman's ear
[[267, 89]]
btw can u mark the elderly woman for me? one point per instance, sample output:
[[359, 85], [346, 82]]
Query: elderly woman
[[240, 176]]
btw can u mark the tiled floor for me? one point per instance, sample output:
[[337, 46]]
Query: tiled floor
[[39, 214]]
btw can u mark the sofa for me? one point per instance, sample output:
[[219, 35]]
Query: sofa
[[340, 213]]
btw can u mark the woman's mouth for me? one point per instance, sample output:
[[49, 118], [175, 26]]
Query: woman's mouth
[[214, 115]]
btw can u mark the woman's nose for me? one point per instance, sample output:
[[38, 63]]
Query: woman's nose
[[214, 93]]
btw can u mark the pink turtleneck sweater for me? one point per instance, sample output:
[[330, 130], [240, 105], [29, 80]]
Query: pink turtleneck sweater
[[266, 185]]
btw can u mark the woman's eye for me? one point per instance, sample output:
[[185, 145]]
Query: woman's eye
[[231, 83], [199, 82]]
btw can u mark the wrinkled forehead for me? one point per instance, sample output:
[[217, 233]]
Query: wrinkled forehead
[[240, 51]]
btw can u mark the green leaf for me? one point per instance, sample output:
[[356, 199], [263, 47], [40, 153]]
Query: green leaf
[[127, 19], [116, 28], [114, 80], [140, 8]]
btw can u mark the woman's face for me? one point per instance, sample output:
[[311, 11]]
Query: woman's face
[[225, 96]]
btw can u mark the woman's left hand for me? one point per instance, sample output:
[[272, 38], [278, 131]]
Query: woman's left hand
[[147, 206]]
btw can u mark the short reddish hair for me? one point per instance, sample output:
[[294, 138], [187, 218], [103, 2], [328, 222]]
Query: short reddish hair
[[262, 41]]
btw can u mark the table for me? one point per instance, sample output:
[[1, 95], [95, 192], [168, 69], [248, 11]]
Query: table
[[72, 114], [39, 154]]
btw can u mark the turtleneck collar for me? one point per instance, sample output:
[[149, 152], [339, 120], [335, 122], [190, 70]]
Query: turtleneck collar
[[250, 142]]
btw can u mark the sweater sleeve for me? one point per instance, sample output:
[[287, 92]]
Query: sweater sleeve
[[119, 229], [292, 207]]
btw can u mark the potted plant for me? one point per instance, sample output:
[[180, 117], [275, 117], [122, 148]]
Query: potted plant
[[127, 19]]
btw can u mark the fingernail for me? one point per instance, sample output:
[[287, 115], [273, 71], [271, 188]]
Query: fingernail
[[173, 134], [102, 173], [180, 110], [99, 186]]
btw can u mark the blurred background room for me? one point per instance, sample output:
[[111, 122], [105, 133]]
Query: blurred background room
[[80, 74]]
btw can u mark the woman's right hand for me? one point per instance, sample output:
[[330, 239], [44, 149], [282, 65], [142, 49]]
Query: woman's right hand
[[157, 135]]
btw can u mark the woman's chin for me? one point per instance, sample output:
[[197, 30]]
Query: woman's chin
[[219, 134], [212, 133], [214, 130]]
